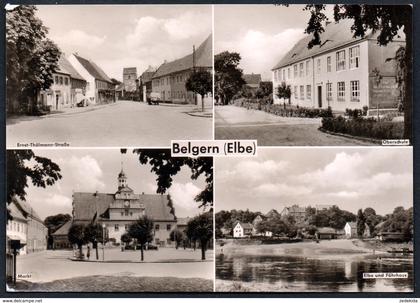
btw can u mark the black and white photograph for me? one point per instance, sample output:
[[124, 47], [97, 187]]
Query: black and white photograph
[[108, 75], [315, 220], [94, 220], [333, 75]]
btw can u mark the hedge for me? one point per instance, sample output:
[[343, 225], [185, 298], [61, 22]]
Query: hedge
[[364, 127]]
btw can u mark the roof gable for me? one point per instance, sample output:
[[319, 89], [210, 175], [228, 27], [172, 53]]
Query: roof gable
[[93, 69], [64, 229], [66, 68], [203, 58], [252, 78]]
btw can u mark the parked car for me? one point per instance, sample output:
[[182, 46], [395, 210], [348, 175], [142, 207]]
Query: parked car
[[82, 103], [154, 98]]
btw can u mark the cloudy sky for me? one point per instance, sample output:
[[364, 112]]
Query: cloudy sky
[[351, 178], [88, 170], [262, 34], [127, 35]]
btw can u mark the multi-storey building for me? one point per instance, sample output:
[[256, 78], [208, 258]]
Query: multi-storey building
[[298, 213], [120, 209], [170, 78], [68, 87], [99, 88], [343, 72], [145, 83], [25, 225]]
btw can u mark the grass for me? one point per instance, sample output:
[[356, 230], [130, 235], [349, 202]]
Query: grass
[[119, 284]]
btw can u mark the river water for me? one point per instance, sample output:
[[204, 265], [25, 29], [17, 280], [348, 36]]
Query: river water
[[288, 273]]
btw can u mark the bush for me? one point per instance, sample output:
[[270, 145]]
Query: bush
[[364, 127]]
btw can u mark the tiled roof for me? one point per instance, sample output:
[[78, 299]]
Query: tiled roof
[[271, 213], [93, 69], [64, 229], [252, 78], [244, 225], [15, 212], [66, 68], [86, 204], [296, 209], [203, 58], [27, 210], [335, 35], [130, 70]]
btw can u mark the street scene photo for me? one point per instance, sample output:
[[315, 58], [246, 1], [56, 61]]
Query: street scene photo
[[130, 75], [315, 220], [109, 220], [312, 75]]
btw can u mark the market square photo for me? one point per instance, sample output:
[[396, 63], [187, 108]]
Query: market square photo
[[128, 75], [92, 220]]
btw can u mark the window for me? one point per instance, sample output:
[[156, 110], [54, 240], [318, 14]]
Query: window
[[355, 91], [126, 226], [295, 73], [329, 91], [318, 66], [341, 60], [116, 227], [125, 212], [168, 227], [157, 226], [341, 91], [295, 92], [122, 213], [56, 79], [284, 74], [131, 213], [288, 72], [61, 80], [302, 92], [354, 57], [308, 92], [301, 69], [329, 64], [307, 67]]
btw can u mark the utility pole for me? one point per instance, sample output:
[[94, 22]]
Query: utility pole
[[195, 95]]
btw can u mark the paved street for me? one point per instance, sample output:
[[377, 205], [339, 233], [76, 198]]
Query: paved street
[[124, 123], [51, 265], [232, 122]]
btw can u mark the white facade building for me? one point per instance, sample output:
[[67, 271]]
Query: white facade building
[[344, 72]]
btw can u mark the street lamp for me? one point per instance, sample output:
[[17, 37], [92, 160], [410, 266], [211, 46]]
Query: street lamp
[[103, 241]]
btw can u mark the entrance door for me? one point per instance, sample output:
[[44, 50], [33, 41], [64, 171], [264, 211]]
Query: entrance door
[[320, 96], [57, 98]]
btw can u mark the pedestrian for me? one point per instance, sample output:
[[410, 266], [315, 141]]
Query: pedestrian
[[88, 252]]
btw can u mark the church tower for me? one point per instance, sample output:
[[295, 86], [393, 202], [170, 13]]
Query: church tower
[[122, 179]]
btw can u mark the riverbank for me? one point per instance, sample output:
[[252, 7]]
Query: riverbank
[[323, 249]]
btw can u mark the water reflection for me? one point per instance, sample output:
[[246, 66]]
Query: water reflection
[[305, 274]]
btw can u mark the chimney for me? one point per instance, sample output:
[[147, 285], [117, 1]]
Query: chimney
[[142, 193]]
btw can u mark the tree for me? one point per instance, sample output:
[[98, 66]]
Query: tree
[[142, 231], [387, 20], [94, 234], [265, 89], [228, 77], [77, 236], [53, 223], [31, 59], [200, 82], [360, 223], [126, 238], [165, 167], [22, 165], [284, 91], [200, 228], [177, 236]]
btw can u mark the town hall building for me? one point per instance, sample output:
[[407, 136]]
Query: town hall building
[[117, 211], [343, 72]]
